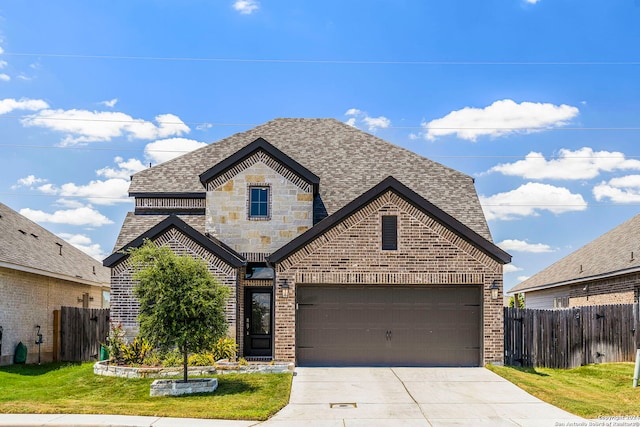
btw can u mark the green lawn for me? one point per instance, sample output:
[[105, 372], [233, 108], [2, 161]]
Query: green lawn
[[73, 388], [588, 391]]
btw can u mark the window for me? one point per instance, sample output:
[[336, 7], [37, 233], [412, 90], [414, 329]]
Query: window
[[258, 271], [561, 302], [258, 202], [389, 233]]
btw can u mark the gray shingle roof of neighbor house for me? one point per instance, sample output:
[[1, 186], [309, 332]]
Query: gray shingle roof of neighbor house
[[26, 246], [347, 160], [615, 252]]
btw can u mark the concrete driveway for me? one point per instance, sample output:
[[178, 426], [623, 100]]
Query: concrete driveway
[[411, 397]]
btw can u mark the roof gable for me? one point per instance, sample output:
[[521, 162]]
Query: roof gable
[[214, 246], [615, 252], [26, 246], [260, 145], [392, 184]]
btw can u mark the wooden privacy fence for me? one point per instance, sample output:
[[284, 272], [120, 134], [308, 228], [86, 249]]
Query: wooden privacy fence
[[567, 338], [81, 331]]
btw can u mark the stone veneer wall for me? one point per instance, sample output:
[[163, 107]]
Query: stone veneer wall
[[227, 216], [124, 305], [428, 254], [27, 300]]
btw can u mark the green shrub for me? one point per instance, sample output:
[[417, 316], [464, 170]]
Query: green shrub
[[225, 348], [202, 359], [135, 352], [152, 359], [172, 358], [115, 343]]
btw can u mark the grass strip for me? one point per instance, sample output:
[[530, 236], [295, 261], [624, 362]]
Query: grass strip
[[590, 391], [73, 388]]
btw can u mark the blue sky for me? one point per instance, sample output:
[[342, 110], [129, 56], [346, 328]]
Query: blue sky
[[538, 100]]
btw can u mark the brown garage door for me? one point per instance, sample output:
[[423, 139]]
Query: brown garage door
[[388, 326]]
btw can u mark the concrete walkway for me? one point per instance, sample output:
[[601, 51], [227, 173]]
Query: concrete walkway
[[411, 397], [350, 397]]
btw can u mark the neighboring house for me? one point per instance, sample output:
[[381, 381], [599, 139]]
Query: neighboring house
[[338, 247], [39, 273], [604, 271]]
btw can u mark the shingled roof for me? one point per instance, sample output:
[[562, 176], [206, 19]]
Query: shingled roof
[[26, 246], [615, 252], [347, 160]]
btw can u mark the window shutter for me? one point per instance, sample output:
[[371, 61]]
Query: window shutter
[[389, 233]]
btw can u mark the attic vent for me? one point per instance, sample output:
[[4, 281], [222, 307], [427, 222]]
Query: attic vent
[[632, 258], [581, 270], [23, 232], [94, 269], [60, 247], [34, 235]]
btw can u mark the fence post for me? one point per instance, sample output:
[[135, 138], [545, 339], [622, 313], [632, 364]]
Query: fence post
[[56, 335]]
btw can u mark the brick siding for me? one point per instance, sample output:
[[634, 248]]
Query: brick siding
[[28, 300], [124, 305], [428, 254]]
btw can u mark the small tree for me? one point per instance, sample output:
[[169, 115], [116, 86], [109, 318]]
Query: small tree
[[181, 303], [520, 301]]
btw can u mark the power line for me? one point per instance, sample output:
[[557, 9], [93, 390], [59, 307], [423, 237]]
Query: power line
[[131, 199], [210, 125], [438, 156], [319, 61]]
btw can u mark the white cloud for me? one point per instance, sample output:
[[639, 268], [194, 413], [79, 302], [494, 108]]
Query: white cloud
[[111, 103], [580, 164], [500, 118], [85, 244], [1, 50], [246, 7], [69, 203], [529, 199], [8, 105], [510, 268], [126, 168], [522, 278], [84, 216], [28, 181], [522, 246], [84, 126], [531, 1], [372, 123], [4, 77], [3, 64], [167, 149], [624, 189], [107, 192]]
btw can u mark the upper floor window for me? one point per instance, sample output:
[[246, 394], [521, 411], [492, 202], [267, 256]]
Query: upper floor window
[[259, 202], [389, 233]]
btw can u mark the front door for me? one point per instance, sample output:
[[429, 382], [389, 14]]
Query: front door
[[257, 322]]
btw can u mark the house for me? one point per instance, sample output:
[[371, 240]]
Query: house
[[604, 271], [39, 273], [339, 248]]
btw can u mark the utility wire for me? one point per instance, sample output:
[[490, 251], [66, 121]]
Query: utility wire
[[131, 199], [317, 61], [440, 156], [34, 118]]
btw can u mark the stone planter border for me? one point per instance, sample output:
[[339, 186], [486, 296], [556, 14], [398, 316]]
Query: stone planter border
[[109, 370], [178, 388]]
